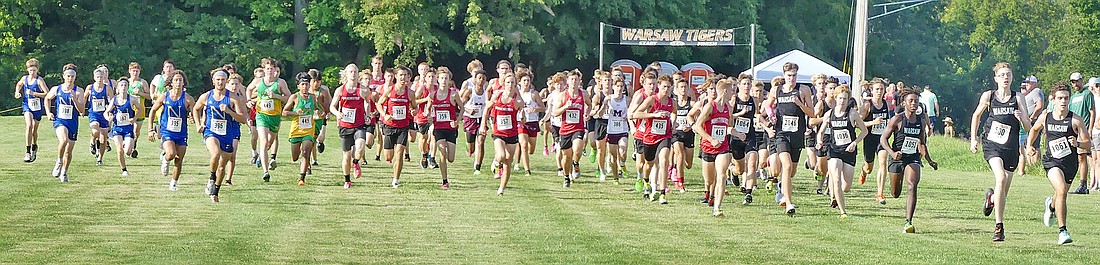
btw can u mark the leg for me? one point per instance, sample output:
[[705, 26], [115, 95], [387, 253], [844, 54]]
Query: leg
[[1002, 180], [912, 178]]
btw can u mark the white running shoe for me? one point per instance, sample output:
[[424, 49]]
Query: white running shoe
[[1048, 214], [64, 177], [1063, 238], [209, 187], [163, 167], [172, 185], [125, 173], [57, 169], [395, 183]]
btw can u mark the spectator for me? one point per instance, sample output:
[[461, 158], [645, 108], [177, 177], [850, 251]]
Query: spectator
[[931, 105], [1081, 104]]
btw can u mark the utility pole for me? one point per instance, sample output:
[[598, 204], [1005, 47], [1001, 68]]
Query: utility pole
[[859, 42]]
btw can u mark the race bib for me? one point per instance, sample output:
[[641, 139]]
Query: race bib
[[998, 132], [399, 112], [842, 137], [175, 124], [573, 116], [476, 111], [122, 119], [442, 116], [532, 116], [616, 125], [504, 122], [347, 115], [305, 122], [35, 104], [98, 105], [1059, 148], [909, 146], [65, 112], [267, 105], [660, 127], [879, 128], [718, 132], [790, 124], [741, 124], [758, 127], [217, 126], [681, 123]]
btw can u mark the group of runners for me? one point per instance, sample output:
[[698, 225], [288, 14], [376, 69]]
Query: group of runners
[[749, 133]]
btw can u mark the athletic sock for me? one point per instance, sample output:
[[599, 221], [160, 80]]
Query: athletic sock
[[217, 188], [302, 176], [355, 161], [1062, 229], [477, 167], [34, 147], [28, 149], [347, 178], [213, 176]]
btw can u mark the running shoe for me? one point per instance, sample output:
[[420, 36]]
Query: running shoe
[[1063, 237], [272, 165], [862, 177], [309, 171], [833, 204], [999, 233], [616, 181], [424, 163], [134, 153], [267, 177], [27, 157], [468, 154], [987, 207], [1081, 190], [706, 196], [881, 198], [395, 183], [108, 147], [91, 148], [680, 186], [653, 196], [718, 214], [592, 157], [639, 185], [909, 228], [407, 158], [125, 173], [819, 192], [229, 182], [565, 184], [528, 174], [255, 158], [172, 185], [209, 187], [790, 209], [301, 182], [64, 177], [843, 216], [321, 148], [358, 171], [347, 184], [515, 167], [1048, 214], [446, 185], [377, 158], [214, 198], [99, 162], [432, 163], [56, 169], [748, 199], [34, 155], [545, 150], [499, 174], [602, 176], [736, 180], [779, 197], [315, 163], [163, 167], [663, 199]]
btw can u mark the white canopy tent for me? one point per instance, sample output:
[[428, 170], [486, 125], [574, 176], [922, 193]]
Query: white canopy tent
[[808, 65]]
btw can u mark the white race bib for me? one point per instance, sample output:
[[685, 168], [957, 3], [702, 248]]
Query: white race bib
[[998, 132], [718, 132], [65, 112], [741, 125], [35, 104], [347, 115], [660, 127], [532, 116], [267, 105], [790, 124], [504, 122], [305, 122], [399, 113], [616, 125], [122, 119], [909, 146], [841, 137], [681, 122], [442, 116], [175, 124], [1059, 148], [217, 126], [98, 105], [879, 128], [573, 116]]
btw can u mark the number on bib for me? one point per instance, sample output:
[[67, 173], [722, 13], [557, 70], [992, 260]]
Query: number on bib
[[217, 126], [175, 124], [998, 132], [660, 127], [399, 112], [573, 116], [741, 124], [790, 124], [442, 116], [878, 128], [841, 137], [98, 105], [305, 122], [35, 104], [122, 119], [65, 112], [718, 132], [347, 115], [1059, 148], [909, 146], [504, 122], [267, 105], [681, 122], [616, 125]]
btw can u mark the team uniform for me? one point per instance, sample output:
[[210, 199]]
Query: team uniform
[[617, 125], [268, 110], [871, 143], [1002, 132], [682, 124], [218, 123], [906, 141], [396, 130], [66, 115], [421, 117], [302, 127], [790, 125], [97, 104], [471, 121], [173, 119], [32, 104], [744, 125], [1060, 152], [658, 135], [718, 126], [133, 89], [445, 112], [839, 135], [122, 112], [354, 123], [503, 116], [572, 126]]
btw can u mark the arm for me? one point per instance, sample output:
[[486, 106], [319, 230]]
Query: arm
[[18, 88], [983, 103], [237, 111], [49, 101], [288, 108], [884, 140], [641, 112], [334, 106], [80, 104], [559, 107], [284, 91], [1024, 120], [158, 103], [1033, 134], [698, 127], [863, 131], [197, 112]]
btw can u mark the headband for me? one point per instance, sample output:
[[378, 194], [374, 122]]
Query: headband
[[221, 74], [70, 72]]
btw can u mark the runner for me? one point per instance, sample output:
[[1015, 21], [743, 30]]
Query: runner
[[533, 110], [139, 88], [65, 122], [683, 139], [422, 91], [571, 107], [876, 114], [121, 113], [597, 134], [815, 157], [257, 75], [1064, 133], [746, 162], [444, 110], [235, 86], [443, 80], [656, 112], [791, 110], [905, 151], [1000, 142], [303, 106], [615, 107], [217, 112], [504, 114], [96, 98], [320, 118], [839, 123], [395, 104], [713, 126], [377, 79], [173, 107], [557, 88], [474, 94], [269, 93], [354, 104], [649, 84], [825, 102], [30, 89]]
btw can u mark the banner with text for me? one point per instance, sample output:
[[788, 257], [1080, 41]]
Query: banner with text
[[676, 37]]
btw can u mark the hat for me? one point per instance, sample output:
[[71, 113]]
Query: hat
[[1031, 79], [1092, 81], [1075, 77]]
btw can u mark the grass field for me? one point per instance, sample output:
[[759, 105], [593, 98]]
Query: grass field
[[100, 217]]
